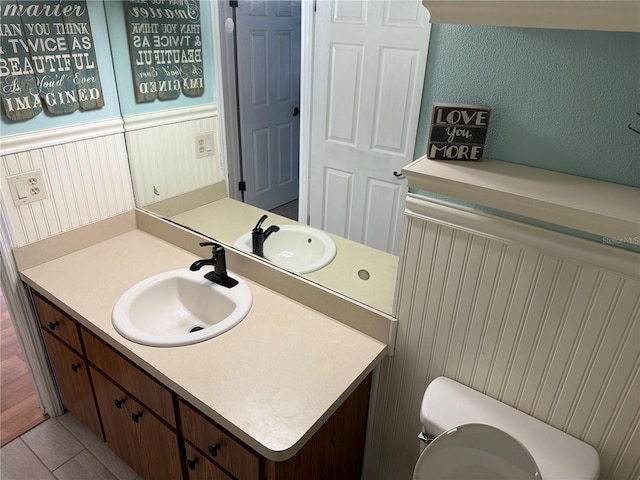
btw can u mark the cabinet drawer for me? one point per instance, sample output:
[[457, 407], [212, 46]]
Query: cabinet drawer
[[200, 468], [73, 382], [57, 322], [220, 446], [130, 377], [135, 434]]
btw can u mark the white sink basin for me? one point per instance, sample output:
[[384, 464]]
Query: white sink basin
[[296, 248], [179, 307]]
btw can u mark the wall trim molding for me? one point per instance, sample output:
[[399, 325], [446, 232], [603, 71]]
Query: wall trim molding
[[57, 136], [589, 252], [178, 115], [602, 209], [50, 137], [609, 15]]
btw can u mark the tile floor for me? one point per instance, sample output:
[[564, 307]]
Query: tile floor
[[61, 448]]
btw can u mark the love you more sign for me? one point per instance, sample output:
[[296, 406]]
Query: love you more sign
[[458, 132]]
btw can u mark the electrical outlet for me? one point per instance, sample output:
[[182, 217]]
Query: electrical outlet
[[27, 187], [204, 145]]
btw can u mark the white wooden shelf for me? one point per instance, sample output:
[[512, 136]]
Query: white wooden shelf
[[609, 15], [605, 209]]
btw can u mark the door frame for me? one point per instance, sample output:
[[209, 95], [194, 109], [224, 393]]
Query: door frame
[[307, 27], [25, 324], [225, 72], [224, 63]]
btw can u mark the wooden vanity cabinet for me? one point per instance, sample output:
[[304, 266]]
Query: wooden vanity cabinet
[[135, 434], [137, 412], [104, 389], [163, 437], [58, 323], [62, 339], [334, 452], [218, 446], [130, 377], [199, 467]]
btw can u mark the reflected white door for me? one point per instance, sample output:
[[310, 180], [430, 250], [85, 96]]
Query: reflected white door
[[369, 63], [268, 36]]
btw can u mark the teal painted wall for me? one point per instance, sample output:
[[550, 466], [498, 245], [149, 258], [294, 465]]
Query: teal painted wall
[[111, 107], [109, 34], [122, 64], [562, 99]]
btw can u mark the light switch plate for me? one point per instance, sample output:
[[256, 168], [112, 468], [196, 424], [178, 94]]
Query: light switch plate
[[27, 187]]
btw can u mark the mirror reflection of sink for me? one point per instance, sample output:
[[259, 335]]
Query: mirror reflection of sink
[[179, 307], [297, 248]]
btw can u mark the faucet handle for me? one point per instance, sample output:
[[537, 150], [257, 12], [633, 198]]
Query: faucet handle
[[209, 244], [259, 224], [217, 248]]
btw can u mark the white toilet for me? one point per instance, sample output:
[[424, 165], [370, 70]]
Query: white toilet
[[478, 437]]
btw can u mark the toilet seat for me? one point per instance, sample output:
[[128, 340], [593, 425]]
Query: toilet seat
[[475, 451]]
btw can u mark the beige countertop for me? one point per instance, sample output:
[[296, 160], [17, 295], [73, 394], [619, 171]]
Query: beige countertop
[[272, 380], [227, 219]]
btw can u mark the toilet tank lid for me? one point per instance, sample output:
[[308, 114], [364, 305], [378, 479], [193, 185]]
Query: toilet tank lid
[[447, 404]]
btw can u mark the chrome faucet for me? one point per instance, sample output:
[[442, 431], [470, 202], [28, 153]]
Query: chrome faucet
[[258, 236], [218, 260]]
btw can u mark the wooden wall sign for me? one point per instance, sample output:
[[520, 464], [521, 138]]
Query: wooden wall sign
[[165, 46], [458, 132], [47, 59]]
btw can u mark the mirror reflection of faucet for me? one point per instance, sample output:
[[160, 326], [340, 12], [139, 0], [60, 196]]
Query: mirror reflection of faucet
[[258, 236]]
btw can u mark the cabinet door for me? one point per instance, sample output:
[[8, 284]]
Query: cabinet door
[[73, 382], [135, 434], [200, 468], [132, 379]]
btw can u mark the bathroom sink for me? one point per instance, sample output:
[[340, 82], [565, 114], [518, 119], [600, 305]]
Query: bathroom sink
[[296, 248], [179, 307]]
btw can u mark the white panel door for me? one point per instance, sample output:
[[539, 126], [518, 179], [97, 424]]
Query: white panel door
[[268, 36], [369, 63]]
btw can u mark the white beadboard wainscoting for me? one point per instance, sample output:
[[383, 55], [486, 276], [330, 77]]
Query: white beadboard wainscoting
[[162, 152], [545, 322], [89, 169], [86, 175]]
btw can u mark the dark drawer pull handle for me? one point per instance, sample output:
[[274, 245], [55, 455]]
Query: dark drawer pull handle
[[213, 449], [136, 416], [192, 464], [76, 366], [53, 325], [119, 403]]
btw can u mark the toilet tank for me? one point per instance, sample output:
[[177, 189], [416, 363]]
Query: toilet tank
[[447, 404]]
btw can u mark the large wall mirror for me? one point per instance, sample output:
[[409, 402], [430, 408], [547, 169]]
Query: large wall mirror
[[189, 155]]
